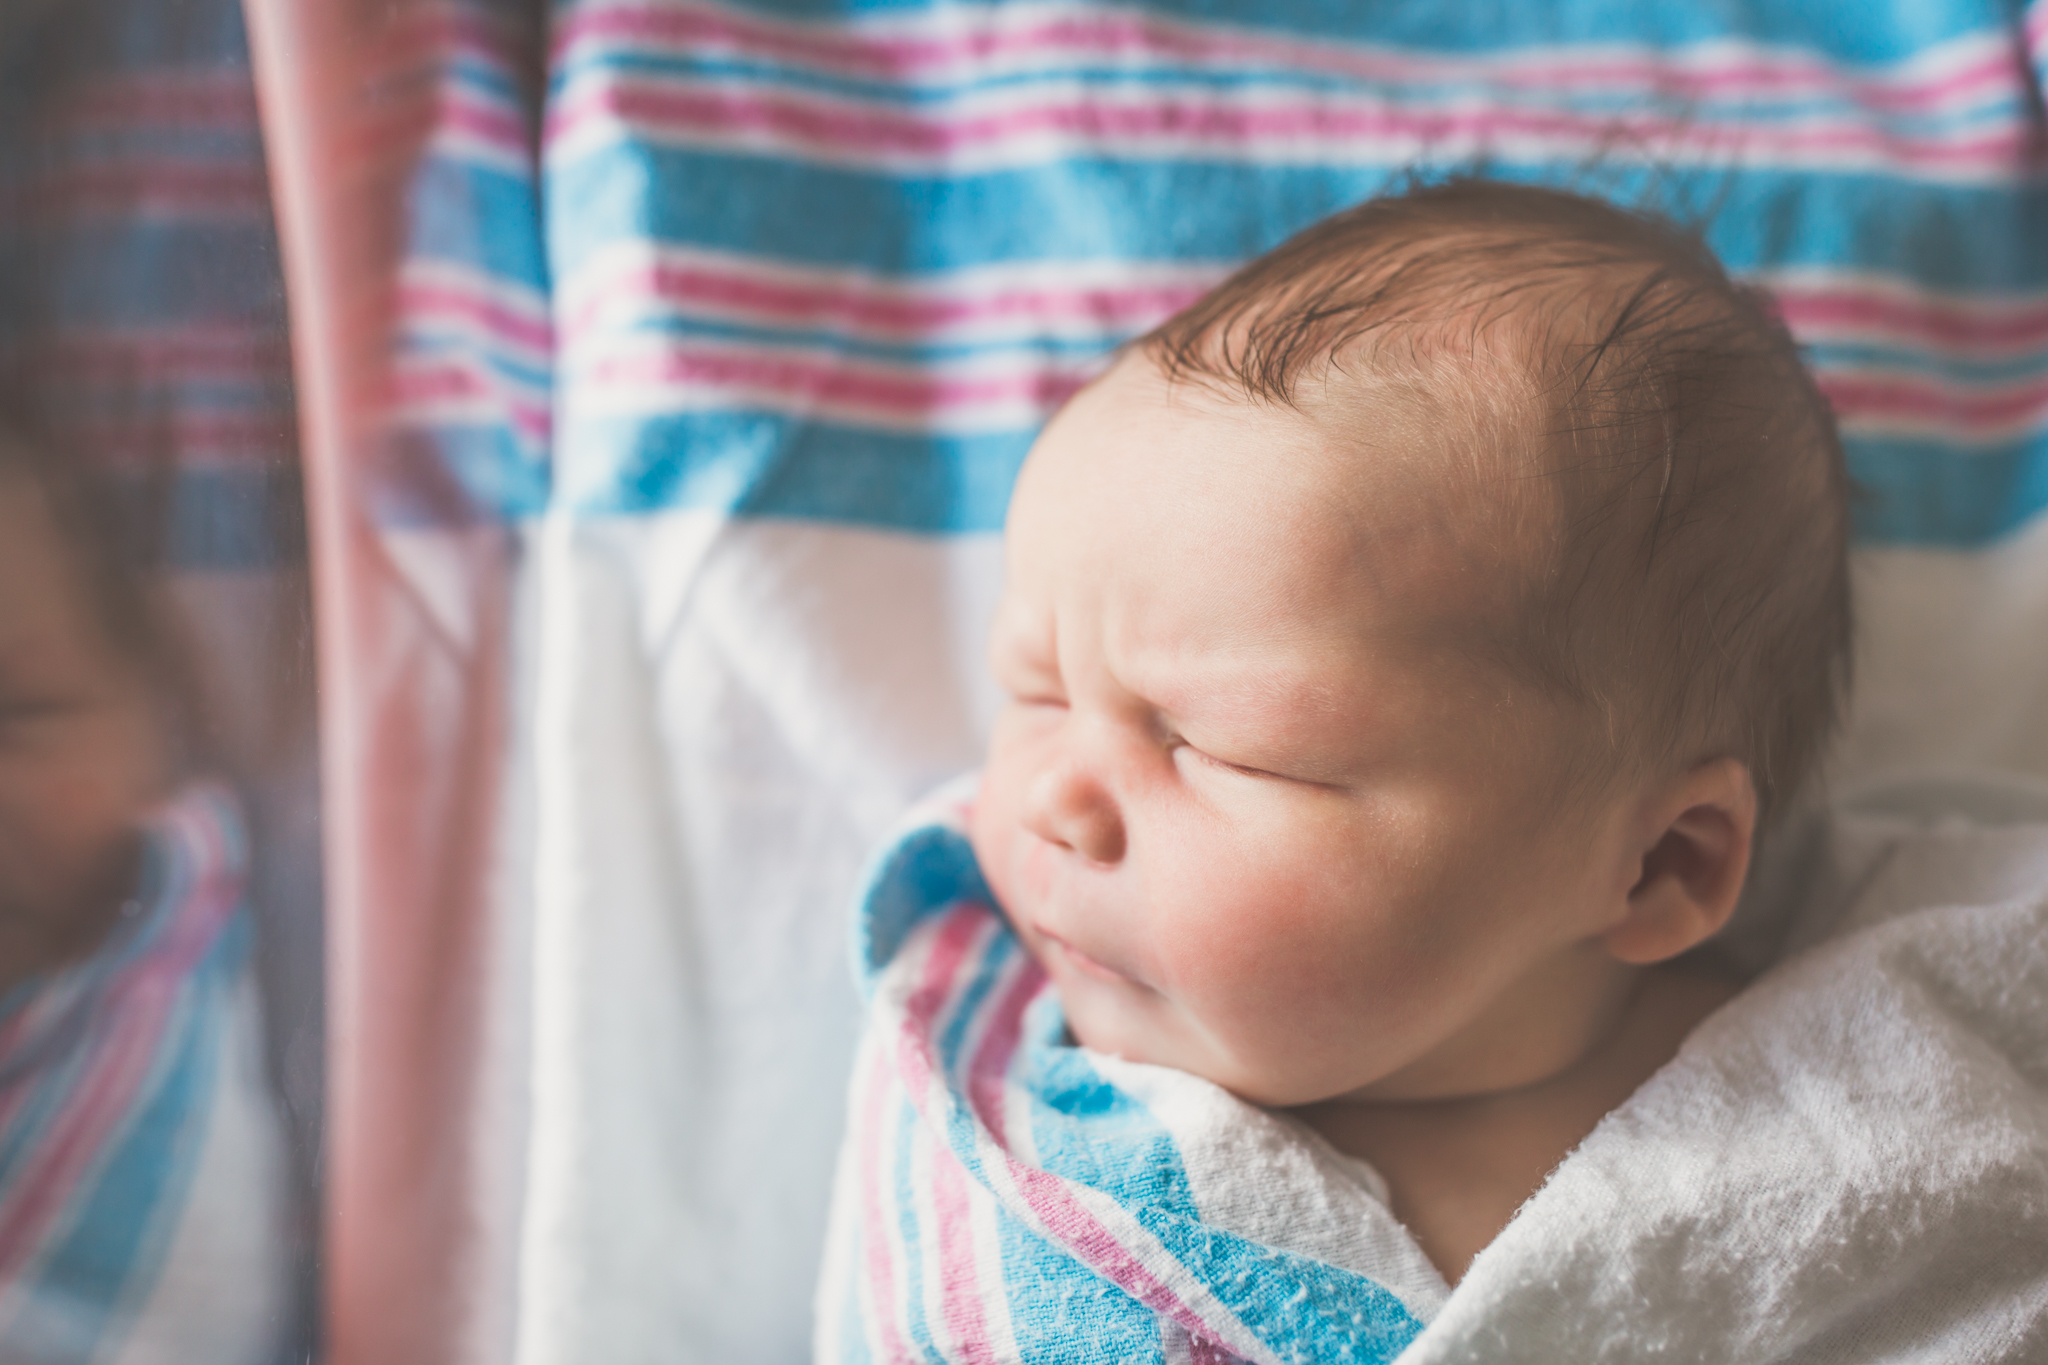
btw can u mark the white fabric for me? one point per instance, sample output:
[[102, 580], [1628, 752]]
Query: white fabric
[[224, 1295], [1952, 661], [725, 717], [1270, 1179], [1847, 1163]]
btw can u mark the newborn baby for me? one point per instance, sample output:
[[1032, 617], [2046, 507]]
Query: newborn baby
[[141, 1162], [1403, 647]]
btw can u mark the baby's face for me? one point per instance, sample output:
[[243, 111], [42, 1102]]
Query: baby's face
[[82, 756], [1257, 801]]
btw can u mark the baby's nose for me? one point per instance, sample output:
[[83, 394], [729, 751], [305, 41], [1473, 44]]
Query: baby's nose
[[1067, 805]]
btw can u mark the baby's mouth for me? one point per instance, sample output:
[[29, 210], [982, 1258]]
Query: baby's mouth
[[1087, 965]]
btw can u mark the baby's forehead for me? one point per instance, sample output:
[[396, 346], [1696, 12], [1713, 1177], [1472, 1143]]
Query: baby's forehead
[[1375, 501]]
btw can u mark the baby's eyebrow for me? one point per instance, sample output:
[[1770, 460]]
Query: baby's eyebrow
[[1269, 695]]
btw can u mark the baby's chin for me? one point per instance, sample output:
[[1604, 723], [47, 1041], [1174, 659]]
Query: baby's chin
[[1132, 1031], [1113, 1032]]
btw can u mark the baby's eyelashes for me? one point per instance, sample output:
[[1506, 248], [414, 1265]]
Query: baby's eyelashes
[[1211, 760], [1252, 770]]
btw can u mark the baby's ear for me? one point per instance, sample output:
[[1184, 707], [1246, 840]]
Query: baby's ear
[[1697, 838]]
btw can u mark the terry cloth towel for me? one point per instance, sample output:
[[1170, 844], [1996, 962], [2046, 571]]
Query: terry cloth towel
[[1849, 1162], [141, 1166]]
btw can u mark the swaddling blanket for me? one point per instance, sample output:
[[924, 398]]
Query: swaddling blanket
[[1848, 1162], [140, 1160]]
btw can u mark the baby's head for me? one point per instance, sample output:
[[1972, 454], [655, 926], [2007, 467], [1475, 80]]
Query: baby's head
[[1404, 643], [85, 717]]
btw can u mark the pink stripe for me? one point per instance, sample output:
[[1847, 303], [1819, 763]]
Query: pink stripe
[[941, 966], [959, 1280], [1044, 1193], [1928, 322], [1858, 397], [876, 1182], [113, 186], [136, 1009], [441, 380], [420, 302], [47, 1180], [734, 290], [909, 396], [842, 128], [989, 1073], [221, 100], [198, 440], [1125, 38], [854, 306], [125, 361], [959, 1269], [505, 127], [1076, 1229]]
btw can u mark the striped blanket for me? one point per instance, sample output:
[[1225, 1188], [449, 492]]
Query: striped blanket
[[1005, 1195], [1843, 1165], [737, 316], [140, 1163]]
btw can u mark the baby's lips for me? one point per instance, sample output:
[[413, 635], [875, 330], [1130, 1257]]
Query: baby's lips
[[1087, 965]]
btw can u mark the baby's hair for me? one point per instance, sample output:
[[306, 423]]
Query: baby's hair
[[1688, 584]]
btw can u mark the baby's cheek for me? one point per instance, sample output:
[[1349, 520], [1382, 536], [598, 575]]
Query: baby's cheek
[[1238, 940]]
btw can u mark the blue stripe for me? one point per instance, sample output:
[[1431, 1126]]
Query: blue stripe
[[104, 1265], [115, 1250], [145, 273], [917, 875], [898, 225], [1933, 363], [916, 1256], [196, 146], [1303, 1309], [27, 1131], [1077, 347], [1086, 1130], [686, 327], [1885, 32], [1924, 493], [1062, 1313], [951, 1045], [1942, 236], [765, 464], [478, 216], [488, 76], [457, 476], [1992, 103], [506, 360], [236, 520], [153, 36]]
